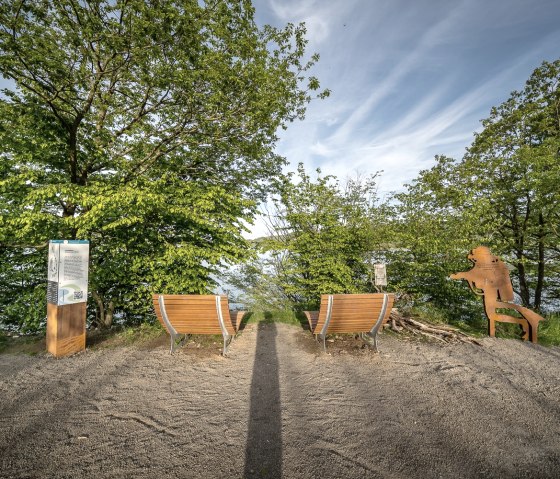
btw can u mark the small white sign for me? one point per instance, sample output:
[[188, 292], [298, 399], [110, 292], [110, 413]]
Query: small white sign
[[68, 271], [54, 260], [380, 275]]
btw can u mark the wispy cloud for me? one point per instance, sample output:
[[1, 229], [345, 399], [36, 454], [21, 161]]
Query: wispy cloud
[[391, 83], [409, 79], [318, 16]]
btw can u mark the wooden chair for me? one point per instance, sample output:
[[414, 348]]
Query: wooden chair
[[196, 314], [351, 313]]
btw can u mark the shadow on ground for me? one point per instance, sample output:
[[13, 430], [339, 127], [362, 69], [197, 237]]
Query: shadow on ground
[[263, 453]]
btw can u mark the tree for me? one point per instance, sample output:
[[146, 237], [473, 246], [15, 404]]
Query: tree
[[514, 164], [147, 127], [320, 237], [502, 194], [431, 227]]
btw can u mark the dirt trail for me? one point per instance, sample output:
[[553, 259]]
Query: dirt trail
[[279, 407]]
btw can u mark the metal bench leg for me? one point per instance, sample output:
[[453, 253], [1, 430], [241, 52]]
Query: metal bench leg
[[182, 342], [324, 338], [323, 333], [225, 334], [378, 324], [168, 325], [371, 339], [374, 337], [227, 341]]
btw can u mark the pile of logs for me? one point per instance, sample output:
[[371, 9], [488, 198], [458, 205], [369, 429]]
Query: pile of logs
[[439, 332]]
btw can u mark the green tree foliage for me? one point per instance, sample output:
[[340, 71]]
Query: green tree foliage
[[430, 229], [146, 127], [503, 193], [320, 237], [514, 165], [257, 284]]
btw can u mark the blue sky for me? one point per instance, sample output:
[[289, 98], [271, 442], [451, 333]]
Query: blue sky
[[409, 78]]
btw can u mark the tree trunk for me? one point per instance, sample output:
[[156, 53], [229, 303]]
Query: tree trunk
[[523, 286], [541, 263], [518, 246], [73, 154], [105, 316], [521, 272]]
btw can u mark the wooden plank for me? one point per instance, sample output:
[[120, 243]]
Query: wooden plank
[[352, 313], [195, 314], [70, 345], [236, 318], [187, 313], [197, 330], [197, 301], [354, 296], [66, 329], [191, 306]]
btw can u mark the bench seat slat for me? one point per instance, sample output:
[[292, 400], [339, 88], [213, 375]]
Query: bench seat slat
[[197, 314], [350, 313]]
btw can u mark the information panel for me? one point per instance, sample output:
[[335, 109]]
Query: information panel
[[380, 275], [68, 272]]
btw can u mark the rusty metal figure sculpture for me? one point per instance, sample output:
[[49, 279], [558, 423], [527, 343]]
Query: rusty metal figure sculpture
[[489, 277]]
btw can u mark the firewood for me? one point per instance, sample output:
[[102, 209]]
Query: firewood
[[439, 332]]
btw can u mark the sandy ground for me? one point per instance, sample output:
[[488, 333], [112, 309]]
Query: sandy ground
[[279, 407]]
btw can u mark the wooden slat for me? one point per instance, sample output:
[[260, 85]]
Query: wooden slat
[[352, 313], [210, 312], [189, 297], [193, 305], [236, 318], [190, 329], [352, 296], [312, 318], [195, 314], [66, 329]]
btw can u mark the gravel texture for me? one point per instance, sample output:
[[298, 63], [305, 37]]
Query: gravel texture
[[278, 406]]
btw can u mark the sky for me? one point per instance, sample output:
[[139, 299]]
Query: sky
[[410, 79]]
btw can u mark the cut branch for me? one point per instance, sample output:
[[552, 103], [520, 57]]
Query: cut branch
[[443, 333]]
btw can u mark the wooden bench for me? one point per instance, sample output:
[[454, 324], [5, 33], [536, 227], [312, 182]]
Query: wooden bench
[[197, 314], [351, 313]]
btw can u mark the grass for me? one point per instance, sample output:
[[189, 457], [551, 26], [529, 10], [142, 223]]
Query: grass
[[549, 330], [428, 313], [145, 333], [152, 334], [31, 344], [277, 316]]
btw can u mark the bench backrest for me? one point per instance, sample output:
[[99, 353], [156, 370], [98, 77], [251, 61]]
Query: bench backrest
[[194, 314], [352, 313]]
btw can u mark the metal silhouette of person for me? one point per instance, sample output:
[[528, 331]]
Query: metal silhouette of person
[[489, 278]]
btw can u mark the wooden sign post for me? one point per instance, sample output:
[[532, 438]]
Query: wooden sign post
[[67, 296]]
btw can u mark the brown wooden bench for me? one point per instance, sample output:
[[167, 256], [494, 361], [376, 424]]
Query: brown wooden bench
[[351, 313], [197, 314]]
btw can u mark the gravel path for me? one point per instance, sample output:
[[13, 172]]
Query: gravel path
[[277, 406]]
